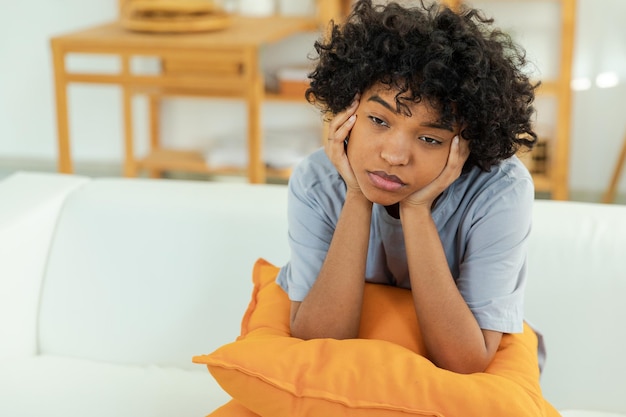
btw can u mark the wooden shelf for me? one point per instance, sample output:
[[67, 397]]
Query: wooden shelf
[[274, 96], [175, 160], [160, 160], [556, 178]]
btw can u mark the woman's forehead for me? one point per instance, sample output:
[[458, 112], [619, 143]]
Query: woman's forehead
[[394, 96]]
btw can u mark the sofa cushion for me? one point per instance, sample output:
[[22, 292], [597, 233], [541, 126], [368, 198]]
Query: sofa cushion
[[574, 295], [275, 375], [232, 409], [136, 265], [589, 413], [49, 385]]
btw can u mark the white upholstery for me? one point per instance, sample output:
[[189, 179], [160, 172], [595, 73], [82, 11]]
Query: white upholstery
[[108, 287], [29, 207], [59, 386], [575, 295], [151, 275], [583, 413]]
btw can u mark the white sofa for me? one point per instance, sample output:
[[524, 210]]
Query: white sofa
[[108, 287]]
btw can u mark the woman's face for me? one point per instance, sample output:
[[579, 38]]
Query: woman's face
[[394, 155]]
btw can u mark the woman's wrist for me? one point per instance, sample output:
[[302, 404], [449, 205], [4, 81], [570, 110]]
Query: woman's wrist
[[356, 196], [413, 210]]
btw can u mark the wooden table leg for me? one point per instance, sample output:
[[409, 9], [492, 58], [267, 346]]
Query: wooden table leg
[[154, 103], [130, 165], [609, 195], [256, 164], [63, 135]]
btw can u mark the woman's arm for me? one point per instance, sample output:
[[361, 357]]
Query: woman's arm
[[451, 334], [332, 308]]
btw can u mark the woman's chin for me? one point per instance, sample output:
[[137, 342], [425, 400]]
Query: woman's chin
[[382, 198]]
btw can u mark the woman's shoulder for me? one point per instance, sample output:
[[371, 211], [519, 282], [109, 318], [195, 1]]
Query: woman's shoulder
[[514, 169], [316, 179], [315, 171], [509, 173], [313, 162], [506, 184]]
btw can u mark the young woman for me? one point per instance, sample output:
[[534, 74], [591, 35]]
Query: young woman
[[418, 185]]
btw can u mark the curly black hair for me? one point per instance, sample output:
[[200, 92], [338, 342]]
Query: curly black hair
[[471, 72]]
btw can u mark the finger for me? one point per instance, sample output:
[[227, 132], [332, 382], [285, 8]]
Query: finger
[[345, 114], [459, 152], [344, 130], [464, 149], [341, 132], [341, 119], [456, 158]]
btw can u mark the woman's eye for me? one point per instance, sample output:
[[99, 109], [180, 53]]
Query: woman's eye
[[377, 121], [430, 141]]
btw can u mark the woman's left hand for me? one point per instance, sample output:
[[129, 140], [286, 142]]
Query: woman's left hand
[[459, 152]]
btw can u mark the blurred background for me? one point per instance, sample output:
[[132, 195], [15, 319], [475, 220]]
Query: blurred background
[[28, 137]]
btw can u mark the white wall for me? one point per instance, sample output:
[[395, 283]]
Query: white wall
[[27, 116]]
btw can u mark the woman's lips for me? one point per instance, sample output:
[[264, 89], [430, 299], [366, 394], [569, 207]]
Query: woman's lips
[[385, 181]]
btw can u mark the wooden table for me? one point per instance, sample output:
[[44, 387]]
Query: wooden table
[[214, 64]]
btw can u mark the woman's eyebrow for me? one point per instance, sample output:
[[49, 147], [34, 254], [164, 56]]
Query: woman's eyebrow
[[376, 98], [435, 125]]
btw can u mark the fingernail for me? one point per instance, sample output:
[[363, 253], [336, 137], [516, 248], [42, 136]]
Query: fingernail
[[352, 118]]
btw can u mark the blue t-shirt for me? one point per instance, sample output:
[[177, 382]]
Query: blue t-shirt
[[483, 220]]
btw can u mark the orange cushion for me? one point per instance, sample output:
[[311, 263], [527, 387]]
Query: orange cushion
[[383, 373]]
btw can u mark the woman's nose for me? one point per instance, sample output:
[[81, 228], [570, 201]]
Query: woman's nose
[[396, 151]]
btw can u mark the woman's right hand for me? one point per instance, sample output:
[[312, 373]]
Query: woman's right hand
[[338, 130]]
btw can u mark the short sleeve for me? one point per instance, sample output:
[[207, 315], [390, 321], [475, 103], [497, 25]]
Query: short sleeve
[[492, 272], [315, 197]]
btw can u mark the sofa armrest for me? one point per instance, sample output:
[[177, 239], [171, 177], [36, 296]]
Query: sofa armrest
[[30, 206]]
